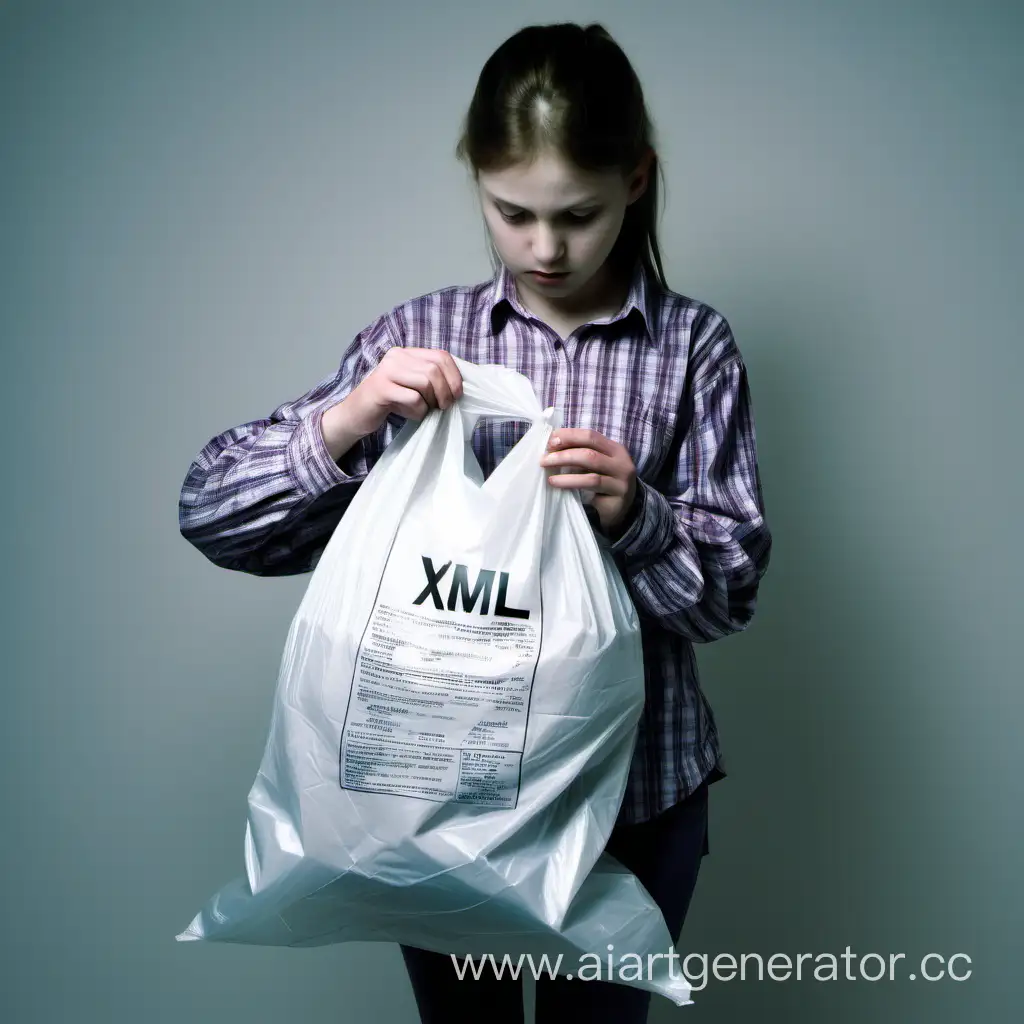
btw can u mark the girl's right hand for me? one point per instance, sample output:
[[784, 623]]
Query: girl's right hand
[[408, 382]]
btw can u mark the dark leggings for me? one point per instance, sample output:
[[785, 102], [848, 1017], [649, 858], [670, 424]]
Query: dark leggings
[[664, 853]]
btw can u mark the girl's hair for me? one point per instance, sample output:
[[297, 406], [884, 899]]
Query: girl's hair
[[571, 89]]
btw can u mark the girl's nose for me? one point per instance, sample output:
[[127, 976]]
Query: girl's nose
[[547, 246]]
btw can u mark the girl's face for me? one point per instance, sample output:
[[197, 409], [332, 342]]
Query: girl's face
[[551, 216]]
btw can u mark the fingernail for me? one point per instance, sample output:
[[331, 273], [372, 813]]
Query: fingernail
[[555, 441]]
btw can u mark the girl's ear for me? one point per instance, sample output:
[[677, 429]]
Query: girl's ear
[[639, 178]]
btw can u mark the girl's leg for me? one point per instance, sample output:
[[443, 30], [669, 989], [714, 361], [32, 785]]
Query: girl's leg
[[665, 854], [442, 998]]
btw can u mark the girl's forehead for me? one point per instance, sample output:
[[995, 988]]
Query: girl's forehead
[[548, 179]]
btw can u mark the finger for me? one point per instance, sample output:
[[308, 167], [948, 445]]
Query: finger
[[439, 384], [581, 437], [407, 402], [452, 374], [427, 362], [586, 460], [447, 365], [418, 380], [595, 482]]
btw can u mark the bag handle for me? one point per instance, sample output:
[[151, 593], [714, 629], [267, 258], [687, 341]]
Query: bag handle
[[498, 391]]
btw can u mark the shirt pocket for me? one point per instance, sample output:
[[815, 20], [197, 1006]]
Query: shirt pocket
[[647, 436]]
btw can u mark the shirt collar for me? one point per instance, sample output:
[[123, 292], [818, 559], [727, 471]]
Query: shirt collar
[[641, 297]]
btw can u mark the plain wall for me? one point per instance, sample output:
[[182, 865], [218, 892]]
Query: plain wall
[[202, 203]]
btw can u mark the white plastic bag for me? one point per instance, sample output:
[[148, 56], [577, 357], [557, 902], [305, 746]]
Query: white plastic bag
[[454, 721]]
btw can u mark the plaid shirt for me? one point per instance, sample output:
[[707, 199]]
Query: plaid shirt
[[663, 377]]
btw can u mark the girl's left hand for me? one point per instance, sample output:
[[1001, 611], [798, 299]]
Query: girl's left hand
[[604, 467]]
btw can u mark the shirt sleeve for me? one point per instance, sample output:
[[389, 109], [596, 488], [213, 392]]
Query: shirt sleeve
[[697, 547], [264, 497]]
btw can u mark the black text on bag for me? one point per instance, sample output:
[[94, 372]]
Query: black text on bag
[[459, 592]]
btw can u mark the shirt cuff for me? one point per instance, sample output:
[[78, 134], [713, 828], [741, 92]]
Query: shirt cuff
[[652, 529], [310, 463]]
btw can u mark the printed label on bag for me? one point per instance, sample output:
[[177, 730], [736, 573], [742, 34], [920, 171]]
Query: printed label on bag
[[442, 685]]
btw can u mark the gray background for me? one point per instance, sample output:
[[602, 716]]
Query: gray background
[[202, 203]]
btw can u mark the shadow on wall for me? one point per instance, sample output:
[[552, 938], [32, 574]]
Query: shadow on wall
[[828, 705]]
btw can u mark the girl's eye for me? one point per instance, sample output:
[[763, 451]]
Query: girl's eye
[[573, 218]]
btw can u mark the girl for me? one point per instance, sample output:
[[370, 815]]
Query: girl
[[560, 147]]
